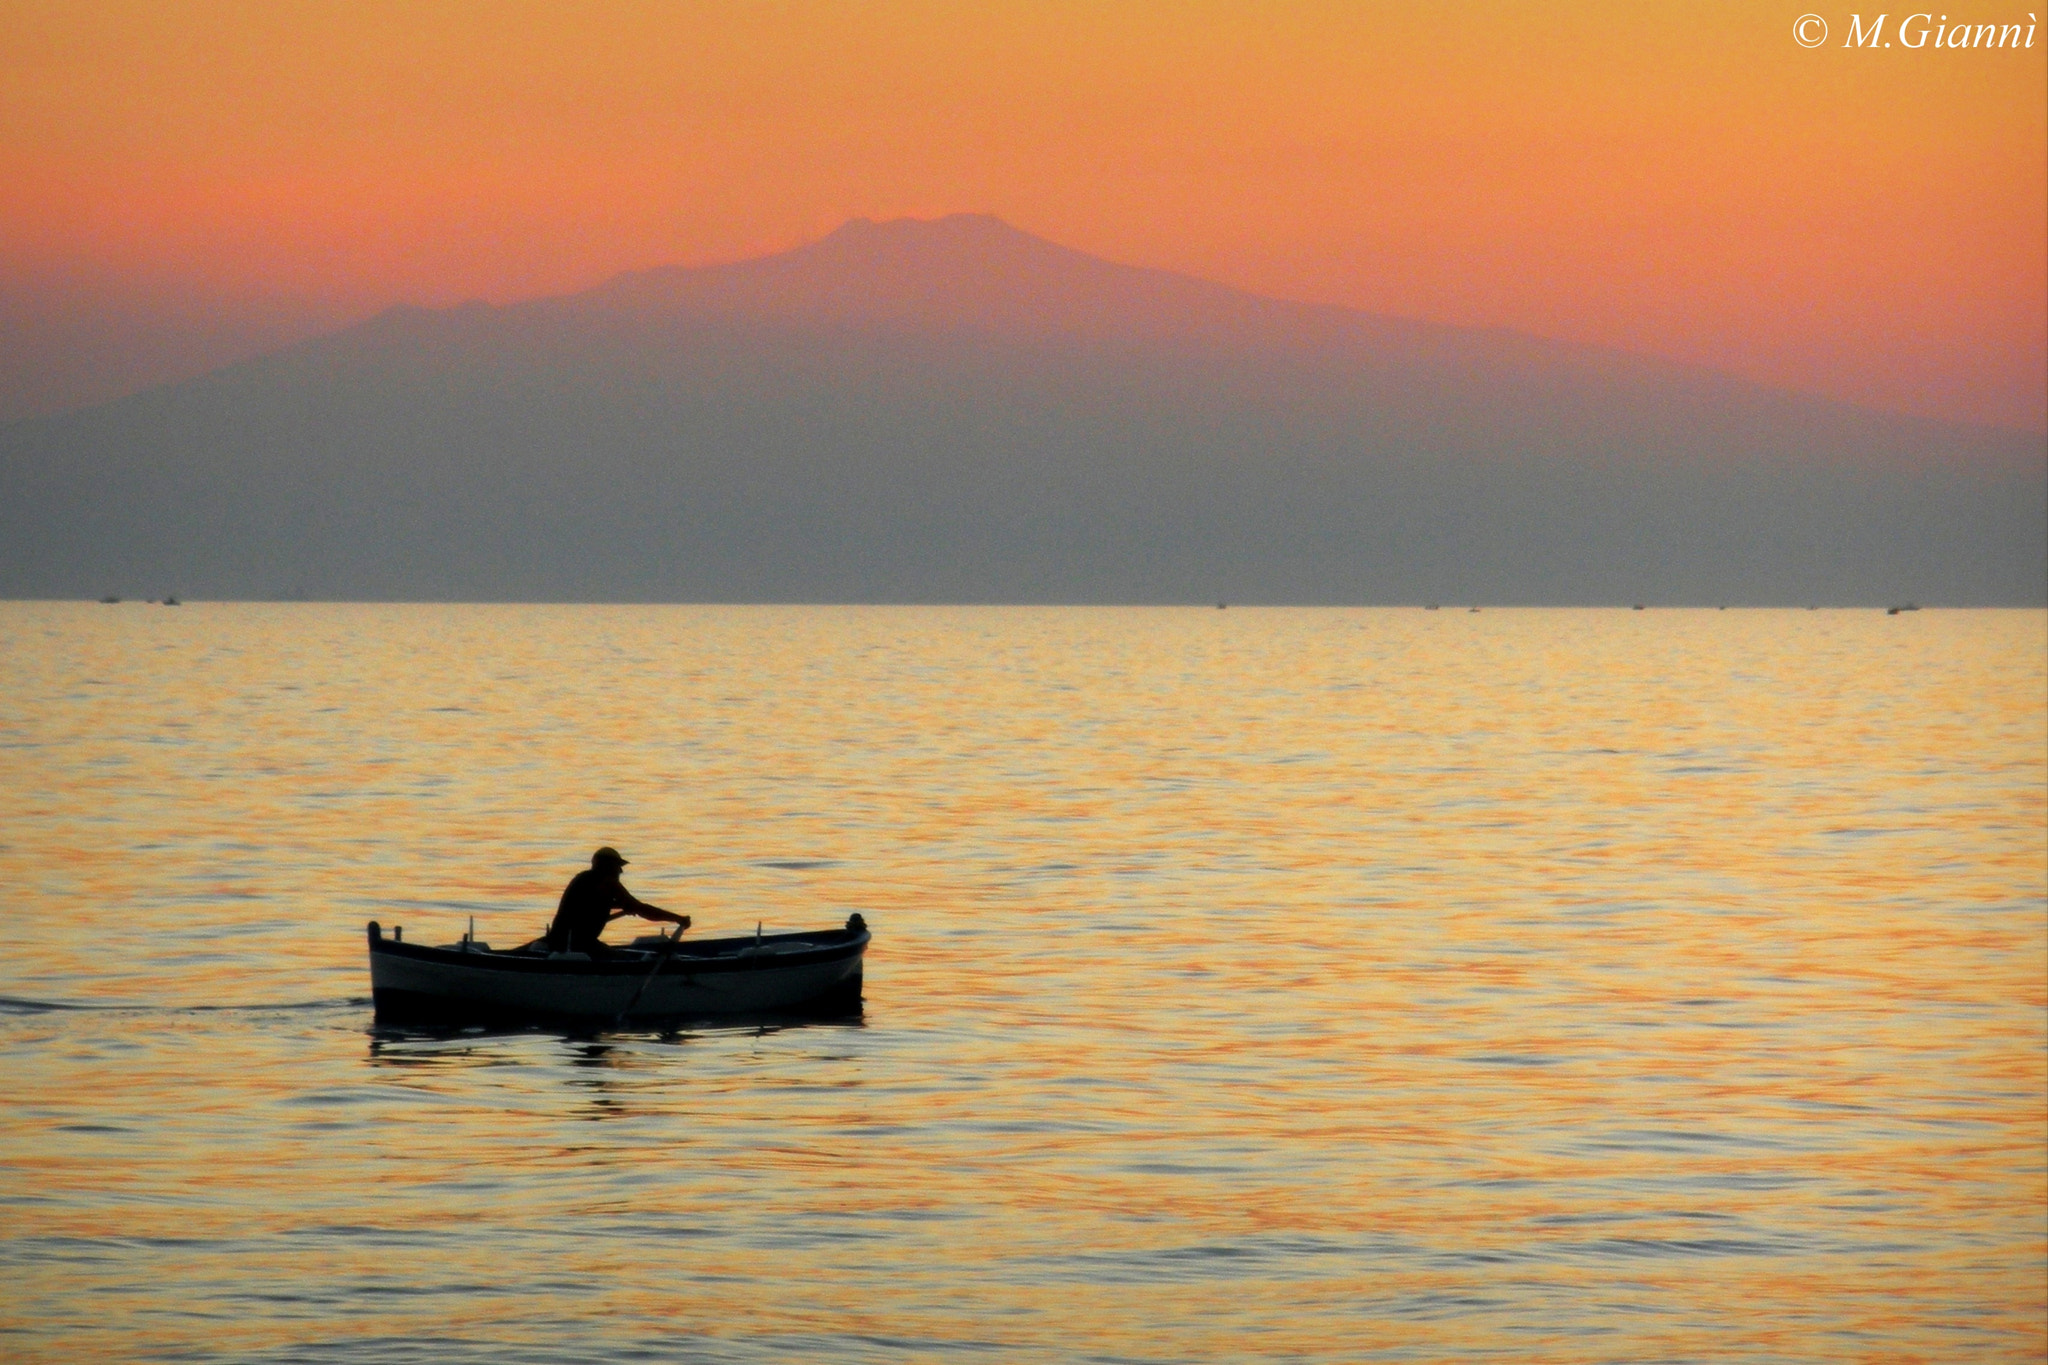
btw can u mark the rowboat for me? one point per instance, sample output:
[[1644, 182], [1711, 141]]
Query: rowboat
[[655, 978]]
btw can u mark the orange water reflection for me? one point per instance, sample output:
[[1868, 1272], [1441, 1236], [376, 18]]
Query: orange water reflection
[[1261, 984]]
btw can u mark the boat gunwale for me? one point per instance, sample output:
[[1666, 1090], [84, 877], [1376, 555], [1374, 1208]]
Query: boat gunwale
[[687, 960]]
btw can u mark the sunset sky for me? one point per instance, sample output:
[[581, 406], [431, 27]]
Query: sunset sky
[[182, 184]]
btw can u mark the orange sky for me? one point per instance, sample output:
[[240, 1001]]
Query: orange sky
[[1682, 179]]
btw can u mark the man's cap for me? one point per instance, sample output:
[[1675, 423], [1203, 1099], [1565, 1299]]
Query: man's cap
[[607, 854]]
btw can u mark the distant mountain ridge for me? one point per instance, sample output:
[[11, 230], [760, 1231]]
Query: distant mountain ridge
[[966, 270], [975, 272], [954, 410]]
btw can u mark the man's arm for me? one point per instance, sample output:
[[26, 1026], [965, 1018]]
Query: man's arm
[[633, 905]]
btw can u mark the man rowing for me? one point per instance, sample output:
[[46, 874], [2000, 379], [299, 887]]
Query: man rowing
[[594, 898]]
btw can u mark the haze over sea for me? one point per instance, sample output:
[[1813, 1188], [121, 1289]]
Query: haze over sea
[[1260, 984]]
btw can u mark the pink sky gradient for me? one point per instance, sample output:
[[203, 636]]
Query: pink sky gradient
[[184, 184]]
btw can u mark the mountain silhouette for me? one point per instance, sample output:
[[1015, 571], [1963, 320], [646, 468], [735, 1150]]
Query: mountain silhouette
[[954, 410]]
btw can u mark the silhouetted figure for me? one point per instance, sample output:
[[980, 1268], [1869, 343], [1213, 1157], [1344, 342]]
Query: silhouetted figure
[[593, 899]]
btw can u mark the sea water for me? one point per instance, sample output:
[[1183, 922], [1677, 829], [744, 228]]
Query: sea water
[[1305, 985]]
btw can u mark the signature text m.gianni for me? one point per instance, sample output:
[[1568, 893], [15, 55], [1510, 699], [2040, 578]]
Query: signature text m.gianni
[[1915, 29]]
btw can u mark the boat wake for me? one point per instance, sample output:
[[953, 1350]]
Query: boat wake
[[13, 1005], [10, 1004]]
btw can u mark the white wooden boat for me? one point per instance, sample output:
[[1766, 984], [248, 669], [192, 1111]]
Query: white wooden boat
[[656, 978]]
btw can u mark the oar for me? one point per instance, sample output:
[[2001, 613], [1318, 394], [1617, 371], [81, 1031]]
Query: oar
[[667, 948]]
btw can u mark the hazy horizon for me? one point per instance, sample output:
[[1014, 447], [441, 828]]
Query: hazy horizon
[[169, 340], [1292, 305], [953, 410]]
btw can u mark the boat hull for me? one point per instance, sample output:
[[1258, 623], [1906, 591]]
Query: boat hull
[[817, 973]]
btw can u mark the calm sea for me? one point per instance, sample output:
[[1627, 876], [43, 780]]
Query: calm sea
[[1319, 985]]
